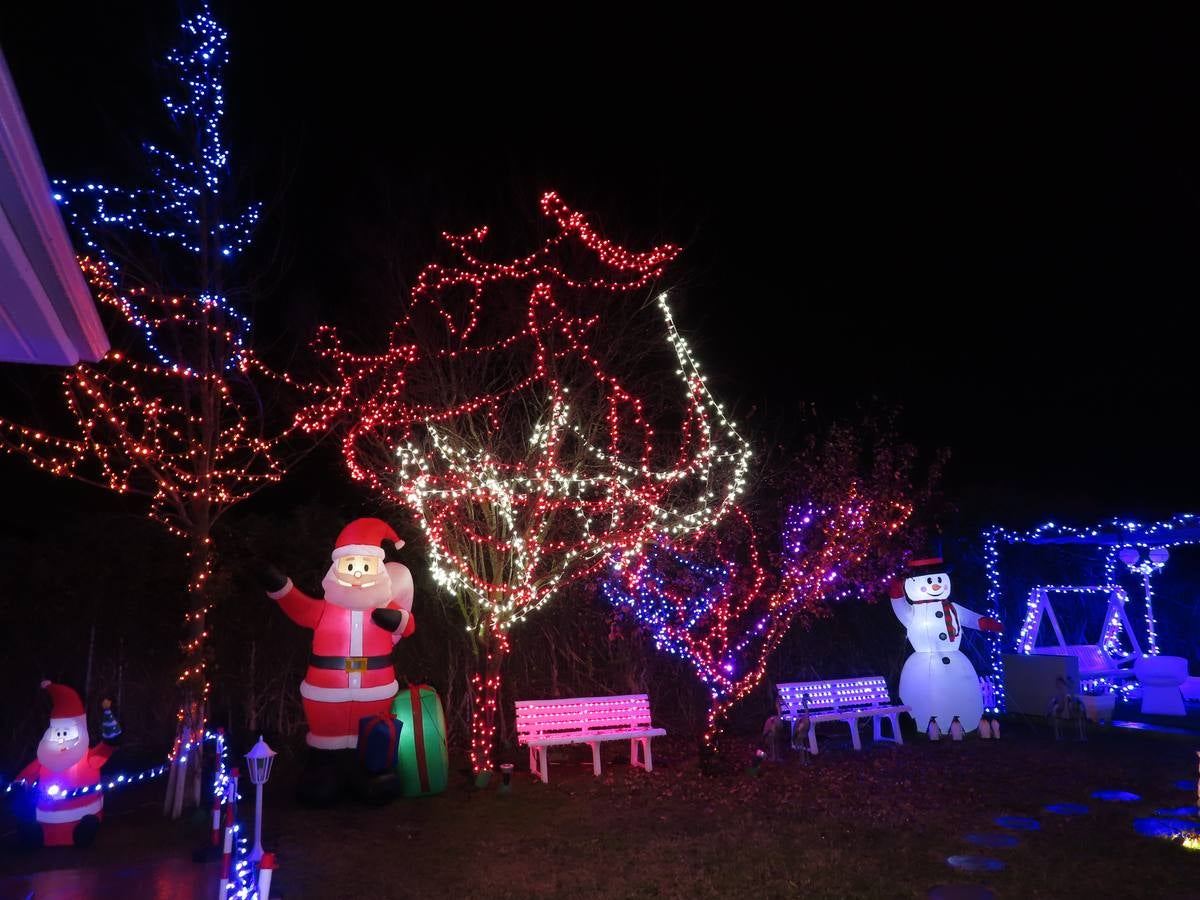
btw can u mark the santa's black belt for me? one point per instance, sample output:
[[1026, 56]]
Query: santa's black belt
[[349, 663]]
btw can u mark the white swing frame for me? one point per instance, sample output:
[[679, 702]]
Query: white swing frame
[[1114, 616]]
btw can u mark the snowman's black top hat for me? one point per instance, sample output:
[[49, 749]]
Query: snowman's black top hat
[[930, 566]]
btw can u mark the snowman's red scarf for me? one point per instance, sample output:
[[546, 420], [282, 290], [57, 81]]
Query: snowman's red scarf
[[951, 615]]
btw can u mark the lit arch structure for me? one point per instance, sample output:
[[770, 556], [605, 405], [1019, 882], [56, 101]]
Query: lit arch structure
[[1113, 542]]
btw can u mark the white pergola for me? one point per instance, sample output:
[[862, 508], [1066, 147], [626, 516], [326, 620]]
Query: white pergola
[[47, 314]]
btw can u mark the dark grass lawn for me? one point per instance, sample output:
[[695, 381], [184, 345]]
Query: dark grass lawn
[[880, 823]]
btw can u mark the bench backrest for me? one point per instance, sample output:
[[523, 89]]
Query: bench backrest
[[842, 693], [581, 715]]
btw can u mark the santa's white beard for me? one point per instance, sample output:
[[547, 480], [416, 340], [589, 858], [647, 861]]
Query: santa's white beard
[[373, 597], [52, 756]]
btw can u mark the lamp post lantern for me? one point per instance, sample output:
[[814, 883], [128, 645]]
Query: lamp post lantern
[[260, 758]]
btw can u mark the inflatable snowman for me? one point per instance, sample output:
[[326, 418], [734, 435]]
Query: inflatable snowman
[[938, 681]]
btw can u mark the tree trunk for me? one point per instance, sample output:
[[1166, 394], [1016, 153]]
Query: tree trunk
[[193, 681], [491, 648], [718, 714]]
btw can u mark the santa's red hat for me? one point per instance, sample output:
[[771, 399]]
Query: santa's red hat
[[365, 537], [66, 702]]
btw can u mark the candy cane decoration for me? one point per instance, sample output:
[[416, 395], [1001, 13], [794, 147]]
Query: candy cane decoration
[[216, 818], [265, 868], [227, 858]]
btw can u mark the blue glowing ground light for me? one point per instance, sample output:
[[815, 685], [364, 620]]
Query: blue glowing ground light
[[992, 839], [1116, 796], [1164, 828], [960, 892], [1067, 809], [1179, 811], [975, 863], [1018, 823]]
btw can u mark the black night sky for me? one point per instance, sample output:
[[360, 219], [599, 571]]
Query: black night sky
[[997, 232]]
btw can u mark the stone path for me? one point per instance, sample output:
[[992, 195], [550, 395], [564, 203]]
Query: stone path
[[1165, 823]]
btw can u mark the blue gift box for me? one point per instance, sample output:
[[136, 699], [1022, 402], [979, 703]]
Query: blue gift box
[[379, 743]]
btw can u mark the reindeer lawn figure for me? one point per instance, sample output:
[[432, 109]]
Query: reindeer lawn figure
[[1066, 706], [800, 731]]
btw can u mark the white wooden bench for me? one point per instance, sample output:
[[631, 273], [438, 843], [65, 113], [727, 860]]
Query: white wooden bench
[[542, 724], [845, 699]]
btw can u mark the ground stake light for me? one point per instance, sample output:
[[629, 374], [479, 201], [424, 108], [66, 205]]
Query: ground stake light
[[260, 758]]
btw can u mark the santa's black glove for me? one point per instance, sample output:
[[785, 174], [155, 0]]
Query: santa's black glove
[[387, 619], [269, 577]]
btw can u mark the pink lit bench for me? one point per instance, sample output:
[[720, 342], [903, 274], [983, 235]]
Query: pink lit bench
[[846, 700], [542, 724]]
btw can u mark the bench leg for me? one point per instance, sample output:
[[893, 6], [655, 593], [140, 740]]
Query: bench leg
[[854, 739], [876, 732], [647, 756], [895, 723], [812, 739], [533, 764], [595, 757], [633, 753], [542, 761]]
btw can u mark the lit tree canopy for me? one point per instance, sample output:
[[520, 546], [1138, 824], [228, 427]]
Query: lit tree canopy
[[176, 411], [520, 411], [713, 602], [724, 599]]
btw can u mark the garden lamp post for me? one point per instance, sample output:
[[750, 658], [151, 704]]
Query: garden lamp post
[[260, 758], [1156, 558]]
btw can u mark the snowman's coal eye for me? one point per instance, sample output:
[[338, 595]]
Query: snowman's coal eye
[[939, 579], [930, 580]]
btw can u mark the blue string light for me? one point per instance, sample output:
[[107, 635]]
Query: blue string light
[[1116, 534], [182, 207], [242, 883]]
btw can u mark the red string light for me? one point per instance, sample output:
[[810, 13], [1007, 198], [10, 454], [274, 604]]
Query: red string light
[[710, 600], [191, 439], [493, 416]]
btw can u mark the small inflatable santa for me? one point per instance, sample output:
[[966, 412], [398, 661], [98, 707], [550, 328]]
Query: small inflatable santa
[[365, 611], [64, 765]]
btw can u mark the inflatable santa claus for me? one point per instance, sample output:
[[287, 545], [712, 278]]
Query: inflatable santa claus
[[365, 611], [68, 810]]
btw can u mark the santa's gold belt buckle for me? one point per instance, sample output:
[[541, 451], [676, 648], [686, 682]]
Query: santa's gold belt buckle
[[356, 664]]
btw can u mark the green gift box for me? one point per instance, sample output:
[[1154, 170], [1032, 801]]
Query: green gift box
[[424, 761]]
